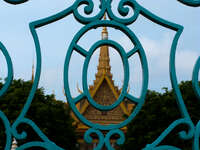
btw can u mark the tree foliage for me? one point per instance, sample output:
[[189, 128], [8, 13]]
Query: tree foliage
[[52, 116], [158, 112]]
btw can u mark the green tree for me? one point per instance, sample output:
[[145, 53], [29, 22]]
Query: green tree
[[158, 112], [51, 116]]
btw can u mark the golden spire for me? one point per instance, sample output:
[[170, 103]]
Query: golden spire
[[104, 59], [33, 70]]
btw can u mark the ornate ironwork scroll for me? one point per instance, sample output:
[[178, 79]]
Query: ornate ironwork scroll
[[90, 23]]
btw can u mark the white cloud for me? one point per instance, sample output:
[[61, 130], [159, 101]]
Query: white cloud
[[185, 60], [19, 42], [158, 53]]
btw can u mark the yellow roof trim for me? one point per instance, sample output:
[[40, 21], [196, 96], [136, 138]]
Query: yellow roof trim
[[116, 95], [113, 90], [98, 85], [92, 94], [74, 117]]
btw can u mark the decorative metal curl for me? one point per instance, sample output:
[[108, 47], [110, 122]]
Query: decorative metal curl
[[182, 134], [88, 138], [105, 6], [6, 123], [104, 140], [124, 11], [88, 9], [119, 141]]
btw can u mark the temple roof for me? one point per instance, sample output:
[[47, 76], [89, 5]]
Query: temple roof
[[103, 91]]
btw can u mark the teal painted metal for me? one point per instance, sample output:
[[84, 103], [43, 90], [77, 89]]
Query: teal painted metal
[[90, 23], [194, 3], [15, 2], [195, 82]]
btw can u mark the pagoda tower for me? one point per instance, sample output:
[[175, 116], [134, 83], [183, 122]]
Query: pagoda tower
[[104, 92]]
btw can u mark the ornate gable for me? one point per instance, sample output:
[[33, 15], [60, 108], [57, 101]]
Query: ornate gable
[[104, 96]]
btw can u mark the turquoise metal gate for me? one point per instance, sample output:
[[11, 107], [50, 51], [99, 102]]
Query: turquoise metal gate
[[120, 24]]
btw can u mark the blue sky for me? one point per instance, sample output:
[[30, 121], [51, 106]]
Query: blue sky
[[56, 37]]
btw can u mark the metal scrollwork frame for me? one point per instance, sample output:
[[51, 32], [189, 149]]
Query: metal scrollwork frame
[[90, 23]]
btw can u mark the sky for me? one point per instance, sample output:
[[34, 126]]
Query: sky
[[56, 37]]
